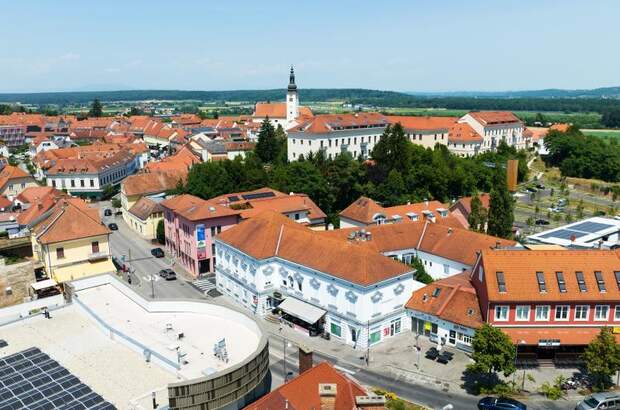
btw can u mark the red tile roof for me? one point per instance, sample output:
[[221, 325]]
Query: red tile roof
[[453, 299], [181, 161], [70, 219], [151, 182], [9, 173], [145, 207], [302, 393], [33, 194], [365, 209], [196, 209], [520, 266], [494, 117], [418, 123], [277, 110], [271, 234], [463, 133], [560, 127], [325, 123]]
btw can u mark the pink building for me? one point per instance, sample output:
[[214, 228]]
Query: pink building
[[190, 225]]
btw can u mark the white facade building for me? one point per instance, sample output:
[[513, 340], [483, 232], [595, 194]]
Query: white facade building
[[334, 134], [496, 126], [354, 304]]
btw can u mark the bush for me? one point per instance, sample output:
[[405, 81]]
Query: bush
[[502, 389], [553, 391]]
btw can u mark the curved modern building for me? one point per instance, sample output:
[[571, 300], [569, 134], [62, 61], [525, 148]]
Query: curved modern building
[[218, 357]]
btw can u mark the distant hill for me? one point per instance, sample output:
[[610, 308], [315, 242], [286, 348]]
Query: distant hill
[[80, 97], [606, 92]]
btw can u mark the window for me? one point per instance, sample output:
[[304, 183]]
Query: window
[[501, 313], [436, 292], [617, 274], [542, 285], [82, 183], [561, 283], [335, 329], [523, 313], [617, 312], [581, 282], [375, 336], [60, 253], [599, 281], [501, 282], [581, 312], [92, 182], [542, 312], [561, 312], [601, 312], [95, 246]]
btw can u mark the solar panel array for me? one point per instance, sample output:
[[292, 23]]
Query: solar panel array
[[32, 380], [578, 230], [258, 195]]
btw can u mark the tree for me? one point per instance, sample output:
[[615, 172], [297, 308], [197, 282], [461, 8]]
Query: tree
[[393, 190], [493, 352], [475, 217], [539, 119], [267, 147], [116, 203], [108, 191], [602, 357], [208, 179], [96, 109], [611, 118], [393, 151], [161, 234], [420, 273], [501, 214]]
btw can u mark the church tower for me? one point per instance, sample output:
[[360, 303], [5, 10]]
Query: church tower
[[292, 100]]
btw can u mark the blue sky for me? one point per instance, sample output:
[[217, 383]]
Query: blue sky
[[394, 45]]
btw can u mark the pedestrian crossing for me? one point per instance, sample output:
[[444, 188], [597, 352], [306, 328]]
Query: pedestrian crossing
[[204, 285]]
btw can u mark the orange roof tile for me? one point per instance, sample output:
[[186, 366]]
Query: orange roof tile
[[560, 127], [463, 133], [566, 335], [151, 182], [324, 123], [520, 267], [494, 117], [9, 173], [453, 299], [365, 209], [277, 110], [181, 161], [70, 219], [31, 195], [145, 207], [196, 209], [270, 234], [426, 123], [302, 393]]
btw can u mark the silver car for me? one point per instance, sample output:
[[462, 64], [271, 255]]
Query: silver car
[[599, 401]]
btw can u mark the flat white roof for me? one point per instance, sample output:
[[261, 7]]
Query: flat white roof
[[157, 326], [47, 283]]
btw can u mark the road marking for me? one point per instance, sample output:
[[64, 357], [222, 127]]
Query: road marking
[[342, 369]]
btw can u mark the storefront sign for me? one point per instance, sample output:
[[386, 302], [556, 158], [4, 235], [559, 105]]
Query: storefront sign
[[616, 329], [549, 342], [201, 241]]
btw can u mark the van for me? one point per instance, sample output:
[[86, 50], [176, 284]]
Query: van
[[599, 401]]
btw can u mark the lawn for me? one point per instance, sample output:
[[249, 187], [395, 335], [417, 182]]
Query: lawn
[[607, 134]]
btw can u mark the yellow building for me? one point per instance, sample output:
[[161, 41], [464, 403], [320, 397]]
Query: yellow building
[[144, 216], [72, 243]]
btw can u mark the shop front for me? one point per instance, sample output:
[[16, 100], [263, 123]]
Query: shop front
[[441, 331], [302, 316]]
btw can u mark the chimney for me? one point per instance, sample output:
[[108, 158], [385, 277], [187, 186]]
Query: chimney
[[305, 358], [449, 231], [327, 395], [497, 244], [370, 402]]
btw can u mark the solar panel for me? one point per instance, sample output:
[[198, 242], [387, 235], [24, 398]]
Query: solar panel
[[563, 234], [31, 379], [258, 195], [591, 227], [233, 198]]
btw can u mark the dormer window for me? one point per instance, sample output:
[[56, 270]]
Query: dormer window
[[599, 281], [561, 282], [542, 285], [501, 282], [436, 292], [581, 282]]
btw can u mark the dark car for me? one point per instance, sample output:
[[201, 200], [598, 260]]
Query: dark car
[[500, 403], [157, 252], [113, 226], [531, 189], [542, 222], [118, 213], [107, 212], [540, 186], [168, 274]]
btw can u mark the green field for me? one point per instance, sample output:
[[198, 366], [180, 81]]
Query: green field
[[608, 134]]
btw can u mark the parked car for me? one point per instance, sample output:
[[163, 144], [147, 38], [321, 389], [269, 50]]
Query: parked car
[[118, 264], [562, 202], [541, 222], [500, 403], [157, 252], [168, 274], [113, 226], [600, 401], [531, 189], [540, 186], [107, 212], [118, 213]]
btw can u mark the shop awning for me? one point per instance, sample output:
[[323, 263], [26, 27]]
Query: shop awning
[[44, 284], [555, 336], [301, 310]]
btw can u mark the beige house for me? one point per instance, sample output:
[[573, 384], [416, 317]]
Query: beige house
[[13, 180], [72, 243], [144, 216]]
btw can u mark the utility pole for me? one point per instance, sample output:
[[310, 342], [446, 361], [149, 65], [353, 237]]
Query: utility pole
[[152, 286], [367, 343], [284, 341]]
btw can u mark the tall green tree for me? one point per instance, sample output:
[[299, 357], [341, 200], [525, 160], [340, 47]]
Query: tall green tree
[[392, 191], [161, 233], [303, 177], [493, 352], [475, 218], [267, 147], [602, 357], [393, 151], [208, 179], [501, 209], [96, 109]]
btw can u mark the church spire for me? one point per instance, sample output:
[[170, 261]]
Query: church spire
[[291, 83]]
